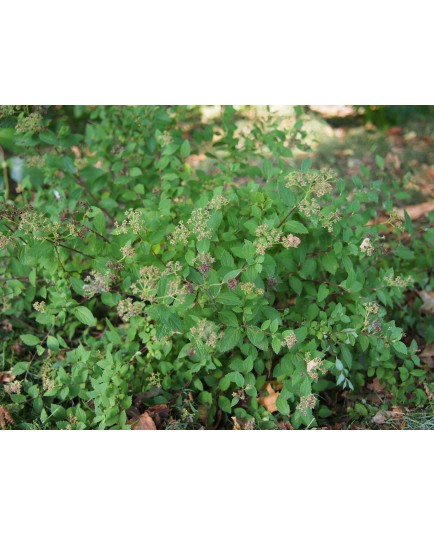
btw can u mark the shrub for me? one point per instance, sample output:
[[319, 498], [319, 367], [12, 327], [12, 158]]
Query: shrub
[[149, 254]]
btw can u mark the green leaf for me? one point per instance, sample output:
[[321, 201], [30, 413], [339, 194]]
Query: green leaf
[[379, 161], [99, 222], [230, 339], [224, 404], [323, 292], [52, 343], [361, 409], [400, 347], [330, 262], [228, 298], [306, 164], [295, 227], [276, 344], [135, 172], [404, 253], [282, 405], [30, 340], [229, 319], [403, 372], [231, 275], [20, 368], [257, 338], [84, 315], [185, 149]]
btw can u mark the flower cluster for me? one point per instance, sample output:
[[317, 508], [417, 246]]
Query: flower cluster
[[316, 182], [13, 388], [127, 250], [306, 403], [98, 282], [314, 365], [36, 224], [35, 161], [367, 246], [47, 381], [395, 220], [206, 332], [371, 309], [39, 306], [251, 288], [204, 262], [290, 241], [133, 223], [172, 267], [177, 290], [217, 202], [29, 123], [154, 379], [5, 241], [197, 224], [127, 309], [268, 237], [290, 340], [328, 220], [146, 285], [398, 281], [5, 417]]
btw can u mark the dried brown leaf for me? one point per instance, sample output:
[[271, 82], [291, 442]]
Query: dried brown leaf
[[145, 422], [375, 386], [427, 301], [5, 417], [417, 211], [6, 377], [269, 402]]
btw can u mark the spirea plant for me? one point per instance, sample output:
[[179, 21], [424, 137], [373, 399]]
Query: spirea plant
[[151, 256]]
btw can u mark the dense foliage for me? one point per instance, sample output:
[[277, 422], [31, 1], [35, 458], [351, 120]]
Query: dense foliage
[[150, 257]]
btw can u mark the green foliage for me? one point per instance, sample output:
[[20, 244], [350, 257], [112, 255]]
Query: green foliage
[[145, 251]]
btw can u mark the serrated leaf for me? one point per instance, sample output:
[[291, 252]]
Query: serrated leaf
[[295, 227], [84, 315], [400, 347], [257, 338], [323, 292], [330, 262], [276, 344], [185, 149], [228, 298], [30, 340], [20, 368], [52, 343], [230, 339]]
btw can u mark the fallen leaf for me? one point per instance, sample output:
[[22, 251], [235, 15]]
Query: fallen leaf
[[236, 424], [6, 377], [395, 131], [427, 301], [330, 111], [145, 422], [5, 417], [243, 424], [417, 211], [203, 414], [414, 212], [428, 391], [396, 416], [382, 416], [375, 386], [269, 402], [427, 355]]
